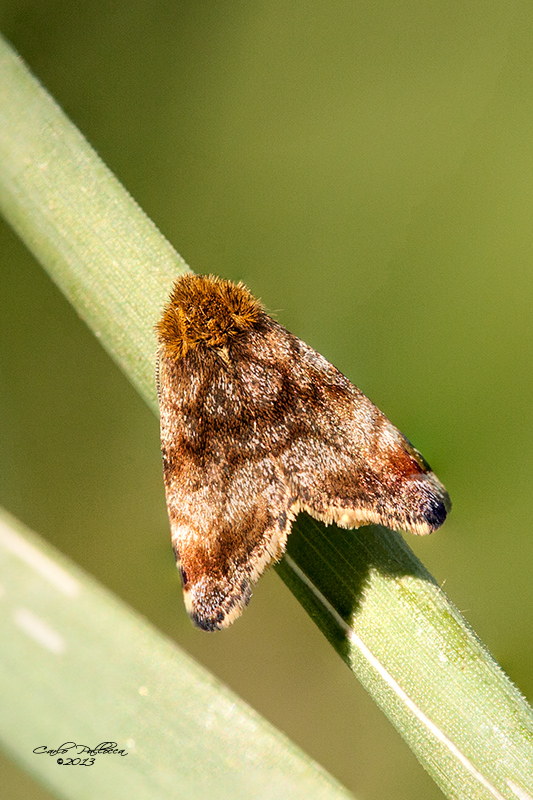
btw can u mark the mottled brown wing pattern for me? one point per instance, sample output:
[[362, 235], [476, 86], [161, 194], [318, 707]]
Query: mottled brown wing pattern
[[230, 505], [256, 426], [352, 466]]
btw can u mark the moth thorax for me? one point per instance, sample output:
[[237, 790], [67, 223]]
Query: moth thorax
[[206, 310]]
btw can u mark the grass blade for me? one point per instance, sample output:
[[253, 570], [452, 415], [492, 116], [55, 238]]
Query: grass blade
[[83, 667]]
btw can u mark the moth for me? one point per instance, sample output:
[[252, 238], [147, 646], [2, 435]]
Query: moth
[[256, 426]]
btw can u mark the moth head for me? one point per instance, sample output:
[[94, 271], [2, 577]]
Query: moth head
[[204, 310]]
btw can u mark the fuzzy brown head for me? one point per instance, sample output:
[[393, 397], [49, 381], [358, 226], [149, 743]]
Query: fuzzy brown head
[[205, 310]]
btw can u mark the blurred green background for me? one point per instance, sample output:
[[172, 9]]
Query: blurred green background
[[367, 169]]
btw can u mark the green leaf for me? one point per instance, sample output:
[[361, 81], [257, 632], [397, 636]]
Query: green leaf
[[380, 609], [81, 666], [104, 253]]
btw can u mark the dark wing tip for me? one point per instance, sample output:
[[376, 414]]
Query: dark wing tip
[[437, 510], [213, 605], [434, 504], [213, 623]]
